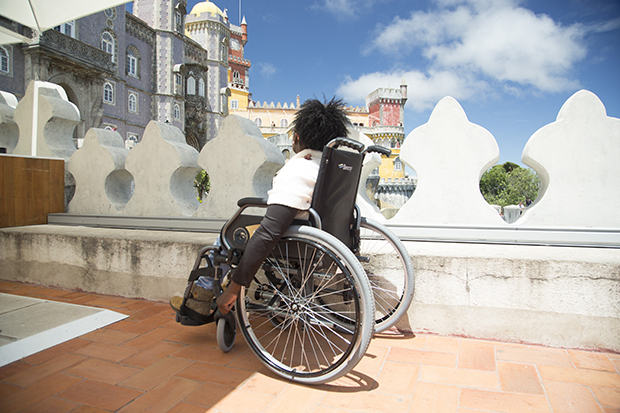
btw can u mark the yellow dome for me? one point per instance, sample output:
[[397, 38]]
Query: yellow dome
[[206, 7]]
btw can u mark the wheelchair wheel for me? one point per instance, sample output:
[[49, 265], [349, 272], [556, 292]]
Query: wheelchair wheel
[[226, 333], [283, 317], [391, 278]]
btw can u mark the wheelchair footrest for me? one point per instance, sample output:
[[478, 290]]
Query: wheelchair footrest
[[187, 321]]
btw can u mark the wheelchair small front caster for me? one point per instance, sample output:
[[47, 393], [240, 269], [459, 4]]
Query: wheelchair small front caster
[[226, 331]]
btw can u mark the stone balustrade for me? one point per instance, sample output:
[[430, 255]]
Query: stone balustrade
[[575, 156], [490, 291]]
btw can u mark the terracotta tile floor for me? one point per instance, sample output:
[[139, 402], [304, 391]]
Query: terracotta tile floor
[[149, 362]]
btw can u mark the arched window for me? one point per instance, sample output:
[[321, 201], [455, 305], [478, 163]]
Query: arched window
[[177, 112], [237, 78], [133, 61], [201, 87], [5, 60], [259, 122], [191, 85], [107, 44], [108, 92], [398, 165], [284, 123], [132, 103]]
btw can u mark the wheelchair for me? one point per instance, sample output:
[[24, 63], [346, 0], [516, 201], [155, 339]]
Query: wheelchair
[[330, 283]]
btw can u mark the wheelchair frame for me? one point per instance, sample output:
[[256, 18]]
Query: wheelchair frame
[[309, 314]]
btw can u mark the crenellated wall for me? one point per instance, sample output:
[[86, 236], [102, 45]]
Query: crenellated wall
[[552, 277]]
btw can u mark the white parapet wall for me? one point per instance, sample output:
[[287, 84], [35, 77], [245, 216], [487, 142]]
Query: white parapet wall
[[129, 263], [556, 296]]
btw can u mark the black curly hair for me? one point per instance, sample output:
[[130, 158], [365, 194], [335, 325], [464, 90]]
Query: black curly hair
[[316, 123]]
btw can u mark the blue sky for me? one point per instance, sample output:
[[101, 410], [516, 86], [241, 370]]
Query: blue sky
[[511, 64]]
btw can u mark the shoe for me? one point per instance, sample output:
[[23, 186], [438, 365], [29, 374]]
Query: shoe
[[199, 300], [176, 302]]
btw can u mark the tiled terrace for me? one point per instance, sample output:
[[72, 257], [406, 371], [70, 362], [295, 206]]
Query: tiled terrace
[[147, 362]]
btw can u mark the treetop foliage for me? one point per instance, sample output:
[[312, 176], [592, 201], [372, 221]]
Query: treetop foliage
[[509, 184]]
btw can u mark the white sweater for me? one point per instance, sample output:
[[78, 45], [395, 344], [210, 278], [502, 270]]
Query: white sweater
[[293, 185]]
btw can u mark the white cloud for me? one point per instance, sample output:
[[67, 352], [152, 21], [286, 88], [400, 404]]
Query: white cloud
[[344, 8], [495, 40], [424, 90], [266, 69]]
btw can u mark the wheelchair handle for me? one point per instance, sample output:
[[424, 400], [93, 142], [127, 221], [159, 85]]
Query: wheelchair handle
[[334, 143], [252, 201], [379, 149]]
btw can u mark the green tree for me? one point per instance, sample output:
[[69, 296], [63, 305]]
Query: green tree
[[509, 184], [202, 184]]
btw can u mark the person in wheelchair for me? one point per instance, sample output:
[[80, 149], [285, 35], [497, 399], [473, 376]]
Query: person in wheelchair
[[315, 124]]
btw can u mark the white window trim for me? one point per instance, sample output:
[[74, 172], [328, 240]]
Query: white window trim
[[132, 63], [109, 45], [201, 87], [7, 58], [112, 86], [191, 85], [135, 96]]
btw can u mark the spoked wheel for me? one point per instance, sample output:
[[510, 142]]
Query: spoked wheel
[[283, 315], [226, 333], [390, 271]]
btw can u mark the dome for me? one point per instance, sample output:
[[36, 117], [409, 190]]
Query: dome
[[206, 7]]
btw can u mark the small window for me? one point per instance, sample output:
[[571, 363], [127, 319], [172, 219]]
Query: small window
[[237, 78], [132, 62], [177, 112], [108, 93], [4, 60], [234, 104], [179, 21], [201, 87], [132, 140], [191, 85], [132, 103], [284, 123], [107, 44], [67, 28], [178, 80], [398, 165], [259, 122]]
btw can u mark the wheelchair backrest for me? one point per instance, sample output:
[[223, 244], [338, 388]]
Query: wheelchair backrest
[[336, 189]]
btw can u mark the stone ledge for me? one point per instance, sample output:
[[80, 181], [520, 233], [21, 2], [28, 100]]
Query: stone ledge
[[556, 296], [129, 263]]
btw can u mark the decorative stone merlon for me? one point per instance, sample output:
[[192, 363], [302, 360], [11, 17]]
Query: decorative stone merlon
[[9, 132], [163, 166], [577, 160], [240, 163], [449, 155], [57, 118], [103, 186]]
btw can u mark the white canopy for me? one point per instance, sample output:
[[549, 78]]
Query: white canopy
[[42, 15]]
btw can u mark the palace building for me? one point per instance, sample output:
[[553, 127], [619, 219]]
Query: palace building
[[381, 120], [123, 69]]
